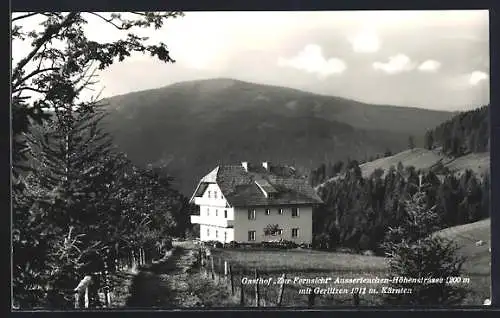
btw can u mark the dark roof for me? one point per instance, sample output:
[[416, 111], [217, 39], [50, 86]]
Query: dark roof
[[241, 188]]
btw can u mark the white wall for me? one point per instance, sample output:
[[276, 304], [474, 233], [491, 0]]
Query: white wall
[[285, 221], [205, 200], [213, 230], [212, 218], [212, 215]]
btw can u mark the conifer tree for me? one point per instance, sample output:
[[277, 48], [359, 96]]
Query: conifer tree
[[411, 142], [414, 251], [72, 190]]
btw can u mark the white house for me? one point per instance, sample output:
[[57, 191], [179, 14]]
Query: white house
[[237, 202]]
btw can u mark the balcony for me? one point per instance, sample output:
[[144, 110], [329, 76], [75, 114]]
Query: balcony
[[215, 221], [209, 202]]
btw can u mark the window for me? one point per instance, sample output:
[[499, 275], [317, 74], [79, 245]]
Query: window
[[215, 194], [280, 211], [268, 211], [216, 233], [208, 232], [208, 211], [209, 194], [225, 236], [295, 212], [225, 214], [216, 212], [251, 235], [295, 232], [251, 214]]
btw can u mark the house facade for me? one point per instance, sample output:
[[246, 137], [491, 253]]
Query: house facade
[[238, 202]]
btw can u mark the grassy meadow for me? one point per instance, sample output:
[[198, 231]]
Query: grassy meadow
[[301, 263], [478, 258], [305, 263]]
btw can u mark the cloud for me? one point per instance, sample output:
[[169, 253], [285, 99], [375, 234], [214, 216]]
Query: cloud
[[429, 66], [477, 76], [366, 41], [396, 64], [311, 60]]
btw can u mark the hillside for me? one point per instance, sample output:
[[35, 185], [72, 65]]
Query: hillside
[[466, 237], [477, 265], [423, 159], [460, 143], [467, 132], [193, 126]]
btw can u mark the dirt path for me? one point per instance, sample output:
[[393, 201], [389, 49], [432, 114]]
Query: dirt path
[[164, 285]]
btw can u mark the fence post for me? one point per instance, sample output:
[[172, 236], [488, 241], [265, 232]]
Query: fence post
[[355, 298], [242, 293], [225, 268], [82, 291], [282, 289], [200, 258], [106, 283], [212, 267], [231, 278], [77, 300], [242, 296], [311, 298], [257, 300], [87, 297], [134, 265]]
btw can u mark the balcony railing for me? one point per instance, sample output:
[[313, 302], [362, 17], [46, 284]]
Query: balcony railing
[[209, 202], [198, 219]]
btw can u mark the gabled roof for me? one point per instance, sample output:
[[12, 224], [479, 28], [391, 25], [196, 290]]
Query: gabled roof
[[265, 186], [245, 188]]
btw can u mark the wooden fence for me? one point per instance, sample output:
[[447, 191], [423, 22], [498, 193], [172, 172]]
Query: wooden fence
[[229, 276], [96, 289]]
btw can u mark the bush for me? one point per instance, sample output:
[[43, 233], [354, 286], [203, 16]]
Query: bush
[[218, 245], [289, 244], [430, 257], [232, 244], [305, 245], [415, 252], [213, 244]]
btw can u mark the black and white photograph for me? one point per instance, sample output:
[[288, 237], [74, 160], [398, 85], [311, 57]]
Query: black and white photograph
[[244, 159]]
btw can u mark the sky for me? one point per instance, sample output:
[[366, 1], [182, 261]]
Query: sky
[[430, 59]]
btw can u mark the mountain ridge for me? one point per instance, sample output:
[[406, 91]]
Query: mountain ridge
[[192, 126], [305, 91]]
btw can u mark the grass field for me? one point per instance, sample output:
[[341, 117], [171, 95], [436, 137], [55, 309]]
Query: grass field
[[303, 260], [478, 258], [309, 263], [418, 158], [302, 263], [425, 159]]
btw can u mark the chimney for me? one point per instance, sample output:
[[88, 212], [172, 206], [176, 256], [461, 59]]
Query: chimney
[[265, 164], [244, 164]]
